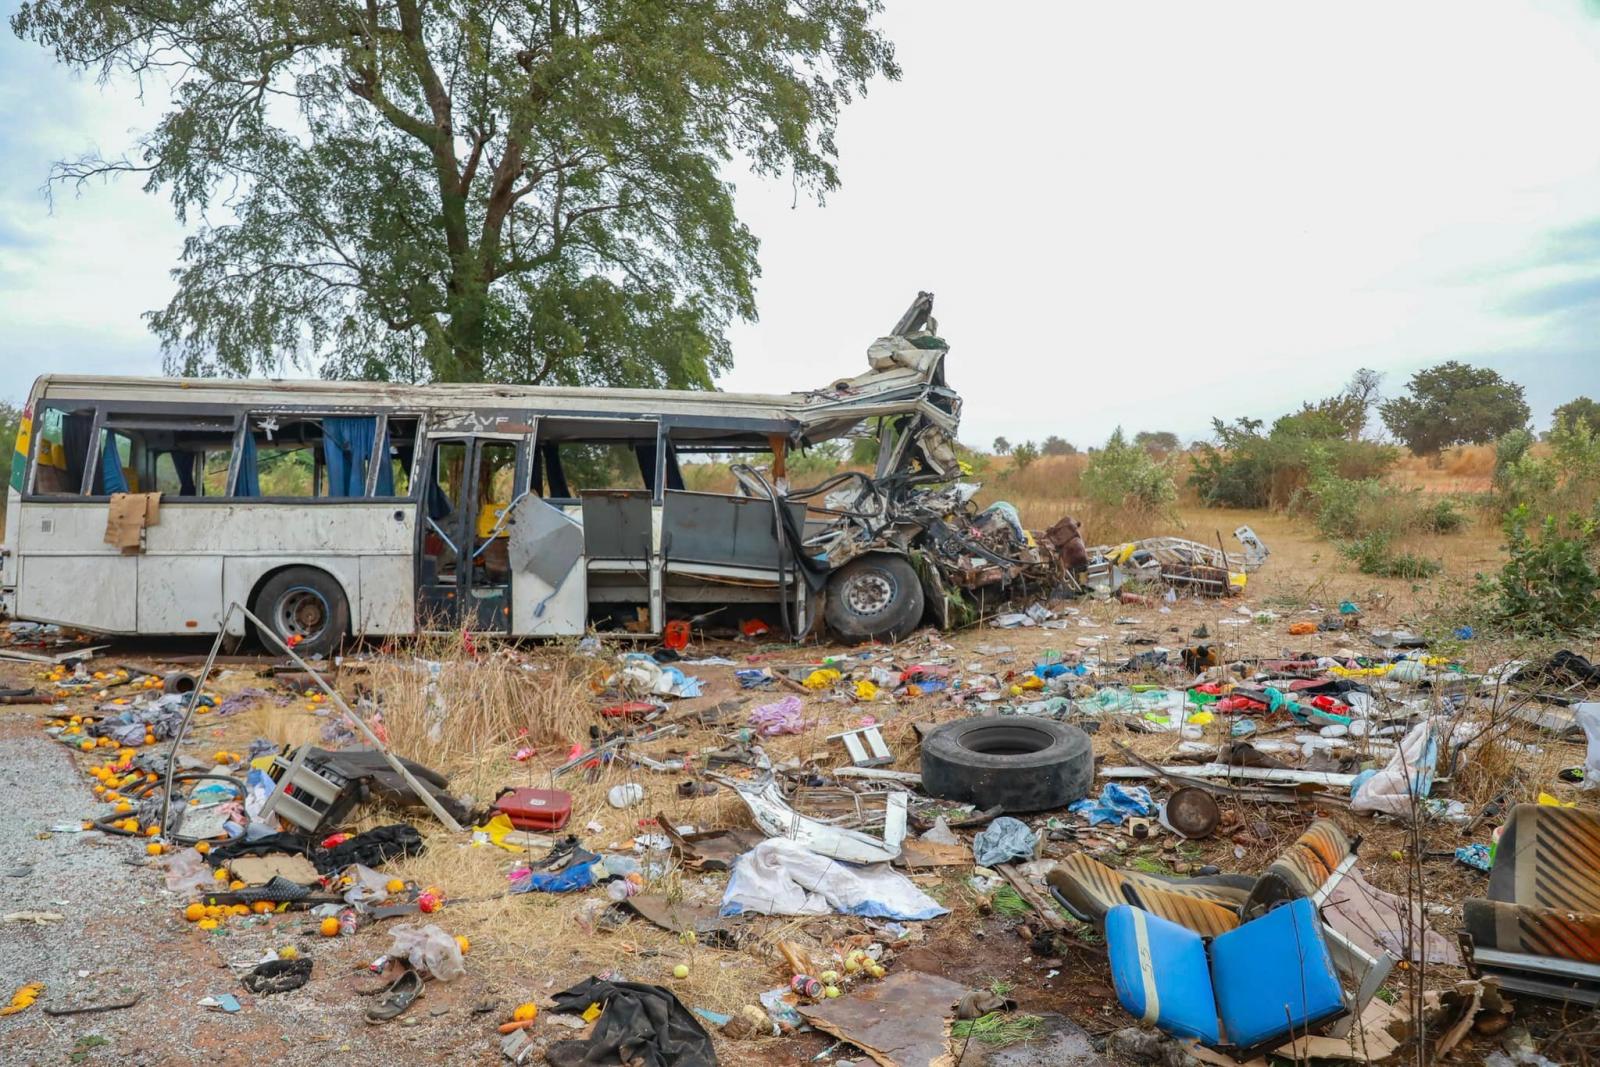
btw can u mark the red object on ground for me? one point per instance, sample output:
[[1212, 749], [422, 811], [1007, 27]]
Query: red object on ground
[[536, 809], [676, 635], [633, 709], [754, 628]]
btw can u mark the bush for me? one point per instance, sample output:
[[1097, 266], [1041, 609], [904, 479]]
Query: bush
[[1444, 516], [1548, 584], [1374, 554], [1023, 454], [1246, 468], [1123, 475]]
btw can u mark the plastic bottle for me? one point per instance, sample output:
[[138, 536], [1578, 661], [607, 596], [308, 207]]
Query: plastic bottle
[[347, 922]]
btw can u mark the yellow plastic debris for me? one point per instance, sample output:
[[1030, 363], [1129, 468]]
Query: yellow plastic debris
[[821, 678], [865, 690], [1551, 802]]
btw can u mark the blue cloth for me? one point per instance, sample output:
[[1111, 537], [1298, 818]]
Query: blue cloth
[[249, 482], [385, 485], [111, 477], [183, 467], [347, 452], [573, 878], [1114, 804]]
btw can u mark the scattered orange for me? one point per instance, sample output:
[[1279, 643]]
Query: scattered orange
[[329, 927], [261, 907], [154, 848], [395, 885], [195, 912], [463, 944], [207, 924], [202, 847], [241, 909], [220, 874], [525, 1012]]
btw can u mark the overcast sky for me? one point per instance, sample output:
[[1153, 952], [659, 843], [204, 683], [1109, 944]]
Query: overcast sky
[[1134, 214]]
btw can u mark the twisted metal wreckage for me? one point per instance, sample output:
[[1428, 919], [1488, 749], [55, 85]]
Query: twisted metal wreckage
[[908, 542]]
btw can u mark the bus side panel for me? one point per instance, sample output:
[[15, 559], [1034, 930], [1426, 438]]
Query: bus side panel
[[67, 574], [388, 597], [180, 594]]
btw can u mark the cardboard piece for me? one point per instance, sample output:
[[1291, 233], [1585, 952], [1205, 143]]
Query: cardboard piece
[[127, 515], [915, 852], [259, 870], [902, 1021]]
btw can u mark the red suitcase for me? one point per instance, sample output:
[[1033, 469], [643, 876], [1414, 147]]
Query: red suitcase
[[535, 809]]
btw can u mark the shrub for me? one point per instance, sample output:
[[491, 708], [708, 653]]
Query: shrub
[[1246, 468], [1124, 475], [1548, 584], [1023, 454], [1374, 554], [1443, 516]]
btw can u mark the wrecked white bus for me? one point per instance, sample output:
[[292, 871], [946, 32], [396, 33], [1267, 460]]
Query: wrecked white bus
[[147, 506]]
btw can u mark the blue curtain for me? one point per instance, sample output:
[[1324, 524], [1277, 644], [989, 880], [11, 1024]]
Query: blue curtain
[[346, 451], [385, 486], [111, 479], [249, 483], [183, 466], [75, 436]]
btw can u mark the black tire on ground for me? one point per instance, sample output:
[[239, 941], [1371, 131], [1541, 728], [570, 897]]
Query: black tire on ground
[[306, 603], [1013, 762], [875, 597]]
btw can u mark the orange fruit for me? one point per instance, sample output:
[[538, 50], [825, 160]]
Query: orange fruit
[[524, 1012], [151, 831], [213, 910], [195, 912], [220, 874], [463, 944], [207, 924], [123, 807], [395, 885], [236, 884], [154, 848], [329, 927], [241, 909], [202, 847], [261, 907]]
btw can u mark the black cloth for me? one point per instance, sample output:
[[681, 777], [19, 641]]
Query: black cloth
[[1564, 668], [290, 844], [637, 1021], [373, 848]]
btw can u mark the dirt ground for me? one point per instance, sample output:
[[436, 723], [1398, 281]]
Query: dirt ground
[[121, 933]]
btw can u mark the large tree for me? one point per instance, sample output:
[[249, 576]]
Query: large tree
[[525, 190], [1454, 404], [1579, 409]]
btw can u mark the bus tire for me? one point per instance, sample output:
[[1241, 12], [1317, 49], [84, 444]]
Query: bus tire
[[306, 603], [875, 597], [1013, 762]]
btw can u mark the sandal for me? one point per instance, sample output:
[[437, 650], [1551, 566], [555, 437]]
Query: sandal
[[399, 996]]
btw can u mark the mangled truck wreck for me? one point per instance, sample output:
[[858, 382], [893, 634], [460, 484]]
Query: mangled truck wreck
[[148, 506]]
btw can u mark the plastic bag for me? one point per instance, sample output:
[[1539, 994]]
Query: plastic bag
[[430, 949], [781, 717], [188, 873], [368, 886], [782, 877], [1004, 840], [1409, 775], [1588, 716]]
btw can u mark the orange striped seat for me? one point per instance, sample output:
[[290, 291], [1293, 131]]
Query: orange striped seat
[[1544, 891]]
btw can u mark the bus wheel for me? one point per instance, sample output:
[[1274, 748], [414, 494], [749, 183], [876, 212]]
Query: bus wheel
[[875, 597], [305, 603]]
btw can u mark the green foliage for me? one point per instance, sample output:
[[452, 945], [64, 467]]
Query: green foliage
[[864, 452], [998, 1028], [10, 424], [1157, 440], [1023, 454], [1564, 480], [1579, 409], [1056, 446], [1374, 554], [1001, 446], [1246, 468], [1123, 475], [1548, 584], [1454, 404], [527, 192], [815, 463]]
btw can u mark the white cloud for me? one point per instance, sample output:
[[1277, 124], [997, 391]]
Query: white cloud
[[1134, 214]]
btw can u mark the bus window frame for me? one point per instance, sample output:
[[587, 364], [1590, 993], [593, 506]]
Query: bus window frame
[[297, 412]]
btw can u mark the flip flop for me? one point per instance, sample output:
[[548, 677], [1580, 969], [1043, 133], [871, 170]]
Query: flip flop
[[406, 989]]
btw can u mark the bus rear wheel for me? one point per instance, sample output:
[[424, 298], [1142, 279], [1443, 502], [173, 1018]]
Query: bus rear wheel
[[306, 608]]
